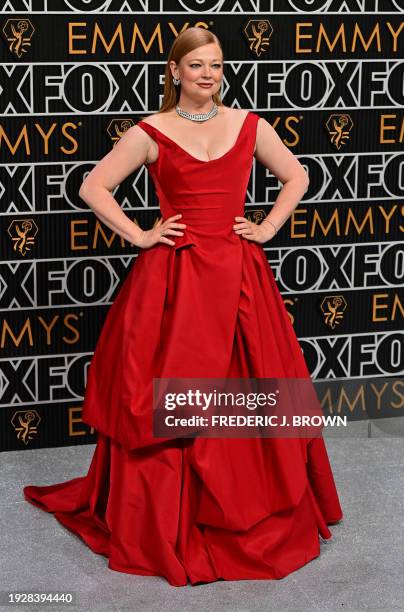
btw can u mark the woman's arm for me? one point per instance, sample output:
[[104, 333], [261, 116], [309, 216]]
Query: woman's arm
[[280, 161], [128, 154]]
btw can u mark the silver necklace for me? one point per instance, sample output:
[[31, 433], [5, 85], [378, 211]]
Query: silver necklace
[[198, 116]]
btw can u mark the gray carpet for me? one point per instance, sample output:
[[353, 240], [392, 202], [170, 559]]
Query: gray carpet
[[360, 568]]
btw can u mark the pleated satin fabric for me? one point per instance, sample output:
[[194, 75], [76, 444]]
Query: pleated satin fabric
[[202, 509]]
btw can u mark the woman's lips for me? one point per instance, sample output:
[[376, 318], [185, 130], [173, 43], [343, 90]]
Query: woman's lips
[[206, 85]]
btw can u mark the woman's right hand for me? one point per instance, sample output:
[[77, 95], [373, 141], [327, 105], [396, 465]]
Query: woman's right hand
[[158, 233]]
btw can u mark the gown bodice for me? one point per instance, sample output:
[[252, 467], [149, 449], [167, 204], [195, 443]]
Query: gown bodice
[[209, 194]]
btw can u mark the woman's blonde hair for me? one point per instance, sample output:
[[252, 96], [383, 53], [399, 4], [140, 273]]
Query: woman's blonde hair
[[187, 41]]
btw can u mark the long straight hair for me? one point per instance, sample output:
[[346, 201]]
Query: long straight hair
[[187, 41]]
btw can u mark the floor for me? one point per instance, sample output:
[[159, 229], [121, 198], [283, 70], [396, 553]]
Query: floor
[[360, 568]]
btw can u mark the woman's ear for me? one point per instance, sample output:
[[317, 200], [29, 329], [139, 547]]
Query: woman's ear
[[173, 67]]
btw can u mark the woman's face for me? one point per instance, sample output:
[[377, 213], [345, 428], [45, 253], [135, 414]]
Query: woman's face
[[203, 65]]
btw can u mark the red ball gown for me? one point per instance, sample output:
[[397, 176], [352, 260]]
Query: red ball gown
[[196, 509]]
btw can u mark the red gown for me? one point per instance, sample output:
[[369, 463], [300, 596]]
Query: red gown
[[196, 509]]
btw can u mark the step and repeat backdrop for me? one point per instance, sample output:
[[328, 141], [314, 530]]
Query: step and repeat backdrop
[[75, 74]]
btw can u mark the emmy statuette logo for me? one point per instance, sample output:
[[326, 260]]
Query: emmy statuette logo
[[18, 33], [333, 308], [22, 233], [258, 32], [25, 423], [339, 126]]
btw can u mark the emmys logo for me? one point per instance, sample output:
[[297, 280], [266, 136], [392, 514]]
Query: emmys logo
[[255, 216], [258, 32], [118, 127], [18, 33], [333, 308], [22, 233], [339, 127], [25, 423]]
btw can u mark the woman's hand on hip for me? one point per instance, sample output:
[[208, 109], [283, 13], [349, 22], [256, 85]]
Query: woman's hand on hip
[[160, 231], [252, 231]]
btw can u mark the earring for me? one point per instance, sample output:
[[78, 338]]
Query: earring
[[176, 81]]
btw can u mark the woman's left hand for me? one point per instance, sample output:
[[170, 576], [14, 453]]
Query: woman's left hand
[[252, 231]]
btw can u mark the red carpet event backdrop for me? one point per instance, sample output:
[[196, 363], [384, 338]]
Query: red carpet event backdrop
[[75, 75]]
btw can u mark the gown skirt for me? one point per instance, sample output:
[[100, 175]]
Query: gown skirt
[[195, 510]]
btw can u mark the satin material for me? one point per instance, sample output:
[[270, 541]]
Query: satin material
[[196, 510]]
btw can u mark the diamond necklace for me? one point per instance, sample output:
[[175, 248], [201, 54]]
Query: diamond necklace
[[198, 116]]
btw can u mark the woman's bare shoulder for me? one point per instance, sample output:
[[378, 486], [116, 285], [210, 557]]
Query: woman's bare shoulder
[[235, 115], [148, 119], [158, 119], [236, 112]]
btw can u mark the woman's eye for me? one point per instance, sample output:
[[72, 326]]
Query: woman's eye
[[192, 65]]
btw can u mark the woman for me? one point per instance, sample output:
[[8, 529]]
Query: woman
[[200, 301]]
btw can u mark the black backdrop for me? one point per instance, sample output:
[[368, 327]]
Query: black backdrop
[[74, 74]]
